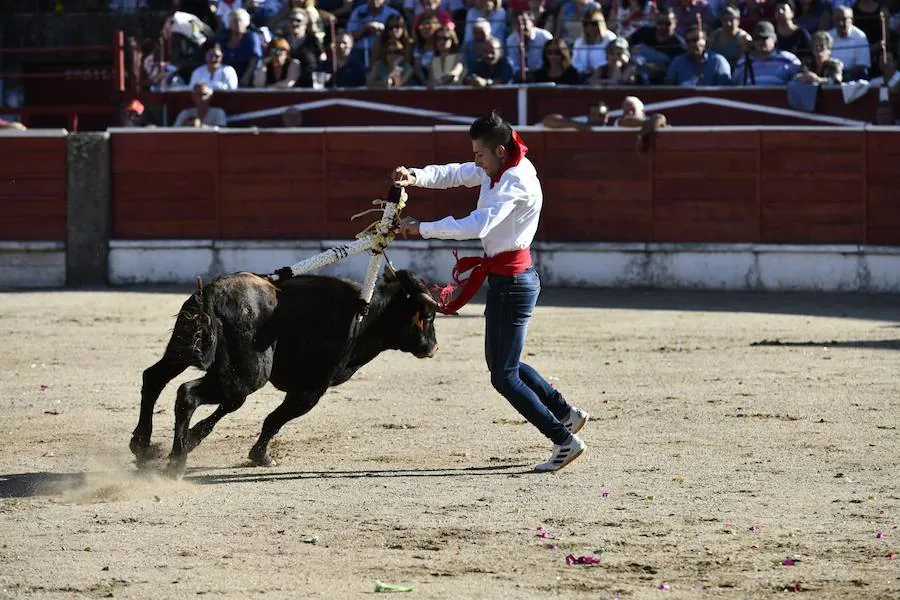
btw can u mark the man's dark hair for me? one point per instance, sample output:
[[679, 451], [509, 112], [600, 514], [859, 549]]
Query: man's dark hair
[[492, 130]]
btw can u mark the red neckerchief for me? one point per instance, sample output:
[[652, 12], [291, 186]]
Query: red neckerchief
[[516, 154]]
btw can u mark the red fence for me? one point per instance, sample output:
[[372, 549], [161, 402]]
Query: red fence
[[32, 188], [795, 186]]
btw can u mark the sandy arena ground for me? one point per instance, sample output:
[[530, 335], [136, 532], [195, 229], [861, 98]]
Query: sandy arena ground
[[712, 459]]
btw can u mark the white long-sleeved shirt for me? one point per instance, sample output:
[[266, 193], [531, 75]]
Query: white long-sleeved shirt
[[506, 217]]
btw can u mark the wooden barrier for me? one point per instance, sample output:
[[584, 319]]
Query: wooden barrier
[[806, 186], [33, 188]]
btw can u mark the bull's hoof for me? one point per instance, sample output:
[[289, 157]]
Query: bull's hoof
[[175, 468], [261, 459], [139, 446]]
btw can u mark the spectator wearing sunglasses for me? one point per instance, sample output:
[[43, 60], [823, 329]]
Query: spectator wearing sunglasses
[[557, 67], [656, 46], [305, 46], [765, 64], [447, 66], [392, 71], [279, 70], [698, 66], [571, 18], [589, 51], [218, 75]]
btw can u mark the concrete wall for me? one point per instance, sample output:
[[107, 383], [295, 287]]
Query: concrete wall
[[692, 266], [32, 264]]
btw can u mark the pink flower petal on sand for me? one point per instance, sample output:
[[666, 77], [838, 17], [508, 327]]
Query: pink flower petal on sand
[[665, 586], [753, 529], [891, 555], [582, 560], [789, 562], [551, 546], [44, 386], [605, 494], [879, 535]]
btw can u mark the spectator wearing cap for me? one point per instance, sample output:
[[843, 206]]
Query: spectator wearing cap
[[347, 71], [765, 64], [589, 51], [218, 75], [729, 40], [619, 68], [279, 70], [791, 37], [528, 38], [822, 68], [202, 115], [687, 11], [658, 45], [133, 114], [366, 23], [698, 66], [851, 46]]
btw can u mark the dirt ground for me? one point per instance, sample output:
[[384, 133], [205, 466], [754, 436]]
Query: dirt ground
[[741, 446]]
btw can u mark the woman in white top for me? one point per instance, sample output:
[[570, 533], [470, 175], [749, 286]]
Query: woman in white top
[[589, 53], [219, 76]]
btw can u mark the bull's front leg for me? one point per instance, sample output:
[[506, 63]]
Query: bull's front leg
[[155, 379], [295, 404]]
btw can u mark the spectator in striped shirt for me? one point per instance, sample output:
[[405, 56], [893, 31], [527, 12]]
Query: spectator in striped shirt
[[765, 64]]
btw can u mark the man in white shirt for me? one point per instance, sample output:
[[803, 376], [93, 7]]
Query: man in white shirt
[[202, 115], [214, 73], [535, 40], [505, 220], [851, 46]]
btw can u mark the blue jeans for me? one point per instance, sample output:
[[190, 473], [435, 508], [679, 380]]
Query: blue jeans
[[510, 303]]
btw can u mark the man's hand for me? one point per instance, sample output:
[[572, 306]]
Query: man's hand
[[403, 177], [407, 226]]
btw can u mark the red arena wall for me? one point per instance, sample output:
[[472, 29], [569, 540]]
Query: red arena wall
[[796, 186], [32, 188]]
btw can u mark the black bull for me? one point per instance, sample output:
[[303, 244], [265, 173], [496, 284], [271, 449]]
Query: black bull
[[302, 335]]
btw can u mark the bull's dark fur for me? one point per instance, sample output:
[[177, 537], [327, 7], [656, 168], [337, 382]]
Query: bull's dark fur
[[302, 335]]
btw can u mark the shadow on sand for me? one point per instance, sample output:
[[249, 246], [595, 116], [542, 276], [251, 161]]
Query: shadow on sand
[[27, 485]]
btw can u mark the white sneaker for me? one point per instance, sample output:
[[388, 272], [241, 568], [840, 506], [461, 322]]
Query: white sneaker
[[563, 455], [575, 420]]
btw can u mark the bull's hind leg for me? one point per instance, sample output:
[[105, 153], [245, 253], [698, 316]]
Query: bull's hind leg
[[295, 404], [155, 379]]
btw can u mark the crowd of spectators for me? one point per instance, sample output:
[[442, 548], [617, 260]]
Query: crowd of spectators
[[230, 44]]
